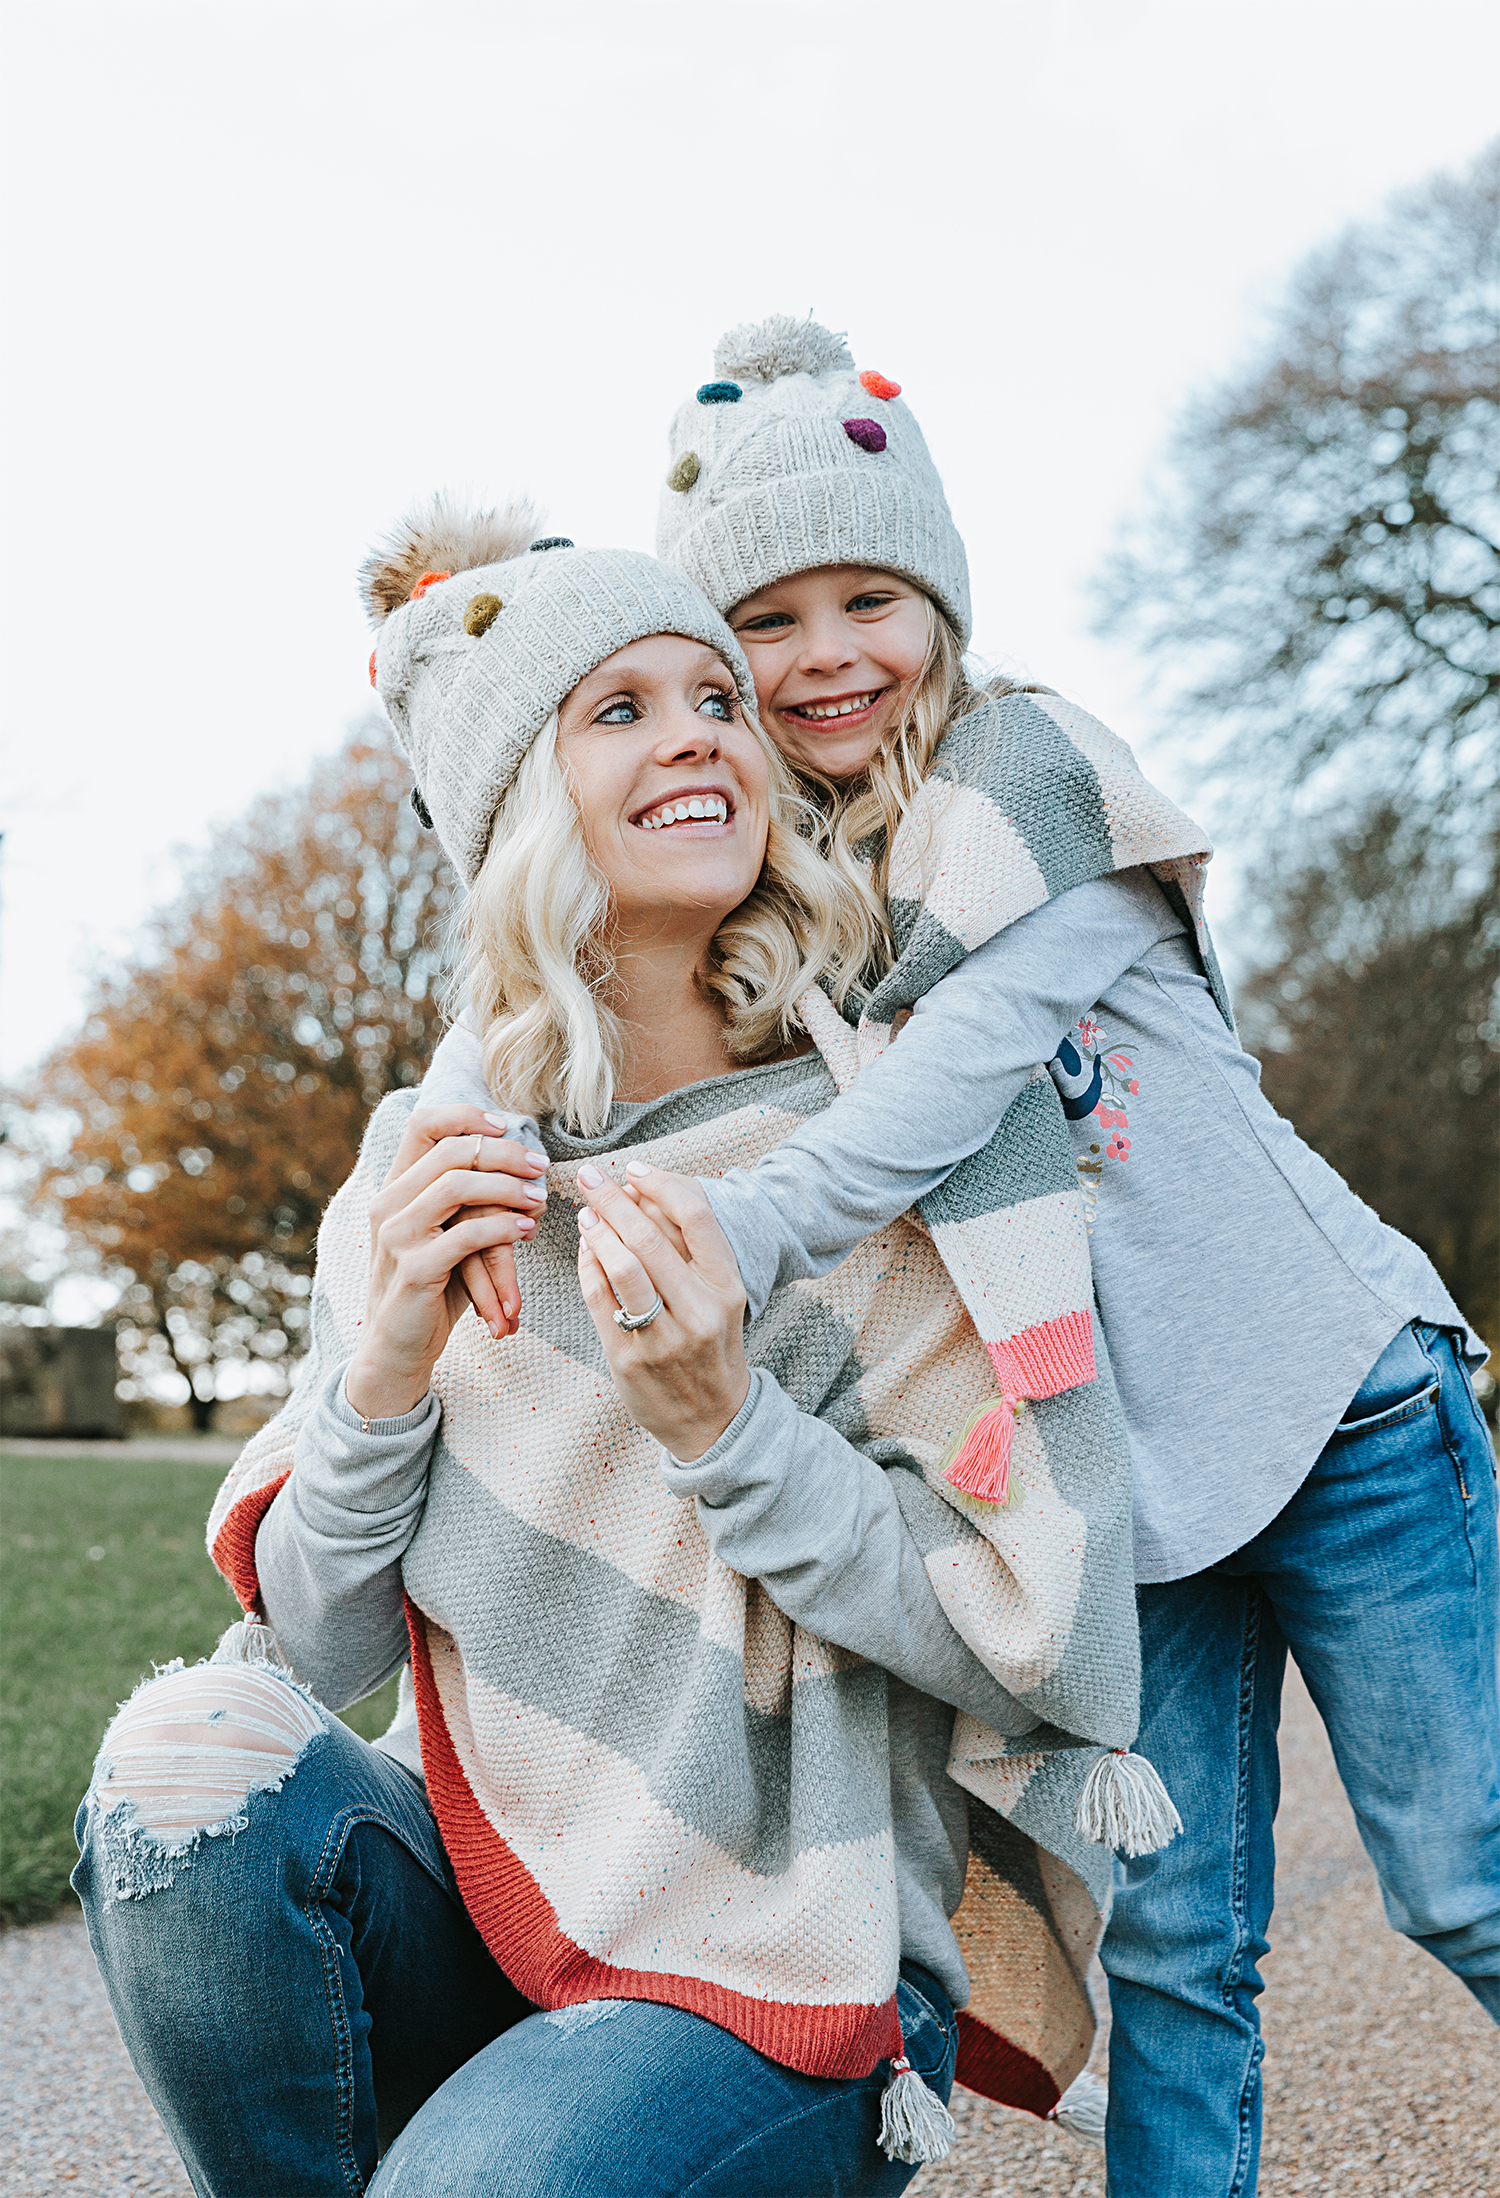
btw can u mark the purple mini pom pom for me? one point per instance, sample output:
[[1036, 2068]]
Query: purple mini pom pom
[[869, 434]]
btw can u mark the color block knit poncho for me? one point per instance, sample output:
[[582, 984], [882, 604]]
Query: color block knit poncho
[[598, 1695]]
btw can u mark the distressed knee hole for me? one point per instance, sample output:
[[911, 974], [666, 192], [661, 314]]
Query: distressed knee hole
[[189, 1748]]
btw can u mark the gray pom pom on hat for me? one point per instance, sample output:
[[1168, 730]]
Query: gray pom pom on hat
[[472, 665], [817, 464]]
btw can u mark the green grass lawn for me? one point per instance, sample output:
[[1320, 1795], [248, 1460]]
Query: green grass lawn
[[103, 1571]]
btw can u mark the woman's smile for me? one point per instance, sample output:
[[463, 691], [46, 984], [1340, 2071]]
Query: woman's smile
[[709, 811]]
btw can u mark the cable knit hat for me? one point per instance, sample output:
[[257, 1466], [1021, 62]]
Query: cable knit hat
[[790, 459], [484, 630]]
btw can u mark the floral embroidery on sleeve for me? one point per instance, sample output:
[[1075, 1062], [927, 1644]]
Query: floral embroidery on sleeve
[[1096, 1080]]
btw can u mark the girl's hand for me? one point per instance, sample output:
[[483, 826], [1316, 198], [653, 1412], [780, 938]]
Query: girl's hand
[[490, 1277], [684, 1378], [452, 1191]]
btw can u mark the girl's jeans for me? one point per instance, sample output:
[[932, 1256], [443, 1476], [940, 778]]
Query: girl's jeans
[[1381, 1576], [303, 1990]]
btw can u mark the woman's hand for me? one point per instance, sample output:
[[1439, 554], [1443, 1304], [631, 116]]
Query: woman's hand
[[684, 1378], [453, 1192]]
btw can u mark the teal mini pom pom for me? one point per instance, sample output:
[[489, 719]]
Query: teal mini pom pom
[[720, 393]]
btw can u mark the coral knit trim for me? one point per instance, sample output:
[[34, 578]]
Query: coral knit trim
[[234, 1544], [990, 2064], [1044, 1360], [520, 1928]]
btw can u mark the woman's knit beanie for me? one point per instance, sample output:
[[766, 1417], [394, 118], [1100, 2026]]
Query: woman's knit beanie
[[790, 459], [484, 630]]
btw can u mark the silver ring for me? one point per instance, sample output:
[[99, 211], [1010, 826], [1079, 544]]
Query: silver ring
[[631, 1321]]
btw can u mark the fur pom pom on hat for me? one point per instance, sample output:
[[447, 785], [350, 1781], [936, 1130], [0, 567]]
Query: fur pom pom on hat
[[793, 459], [484, 632]]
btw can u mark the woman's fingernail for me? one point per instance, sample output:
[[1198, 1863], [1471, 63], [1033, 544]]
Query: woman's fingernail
[[591, 1177], [586, 1217], [508, 1309], [534, 1190], [539, 1162], [495, 1330], [498, 1120], [637, 1167]]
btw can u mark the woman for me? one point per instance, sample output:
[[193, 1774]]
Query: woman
[[656, 1883]]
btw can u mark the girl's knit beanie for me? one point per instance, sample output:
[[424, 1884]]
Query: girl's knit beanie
[[484, 630], [789, 459]]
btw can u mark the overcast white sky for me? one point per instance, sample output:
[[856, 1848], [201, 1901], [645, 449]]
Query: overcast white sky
[[275, 273]]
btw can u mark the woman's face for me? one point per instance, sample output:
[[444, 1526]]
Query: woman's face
[[671, 783], [835, 654]]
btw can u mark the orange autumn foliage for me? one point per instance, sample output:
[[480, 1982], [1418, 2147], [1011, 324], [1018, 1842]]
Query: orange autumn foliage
[[222, 1079]]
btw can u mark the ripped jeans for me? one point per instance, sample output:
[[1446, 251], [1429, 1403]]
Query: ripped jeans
[[301, 1991]]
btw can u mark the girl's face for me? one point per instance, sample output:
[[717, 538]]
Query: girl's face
[[835, 654], [672, 786]]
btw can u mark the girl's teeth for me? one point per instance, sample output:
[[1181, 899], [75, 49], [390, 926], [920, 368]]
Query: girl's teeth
[[835, 709]]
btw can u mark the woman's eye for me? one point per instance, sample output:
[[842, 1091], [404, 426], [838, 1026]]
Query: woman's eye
[[618, 713], [717, 705], [768, 622]]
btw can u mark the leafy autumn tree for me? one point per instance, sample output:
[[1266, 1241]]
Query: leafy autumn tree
[[1317, 587], [221, 1081]]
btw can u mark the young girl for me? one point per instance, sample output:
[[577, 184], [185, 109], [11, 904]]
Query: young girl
[[670, 1878], [1311, 1469]]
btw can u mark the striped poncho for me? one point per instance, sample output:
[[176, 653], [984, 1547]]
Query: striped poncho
[[651, 1783]]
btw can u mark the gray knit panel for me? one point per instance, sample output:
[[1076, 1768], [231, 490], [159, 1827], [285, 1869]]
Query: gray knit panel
[[722, 1765], [1023, 760], [1029, 1156]]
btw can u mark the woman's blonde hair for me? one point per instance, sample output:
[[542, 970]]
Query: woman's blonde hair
[[536, 968], [858, 818]]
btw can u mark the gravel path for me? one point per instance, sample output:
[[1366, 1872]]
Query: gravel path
[[1382, 2074]]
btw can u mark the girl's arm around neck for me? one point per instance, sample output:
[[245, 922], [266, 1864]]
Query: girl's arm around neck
[[940, 1092]]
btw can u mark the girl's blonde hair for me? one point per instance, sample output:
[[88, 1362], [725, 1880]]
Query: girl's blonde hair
[[536, 968], [858, 818]]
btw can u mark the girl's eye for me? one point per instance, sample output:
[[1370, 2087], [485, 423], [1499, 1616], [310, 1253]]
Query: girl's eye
[[870, 602], [719, 705], [618, 713]]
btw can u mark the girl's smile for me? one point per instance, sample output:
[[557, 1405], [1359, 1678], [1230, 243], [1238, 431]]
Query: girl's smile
[[835, 653]]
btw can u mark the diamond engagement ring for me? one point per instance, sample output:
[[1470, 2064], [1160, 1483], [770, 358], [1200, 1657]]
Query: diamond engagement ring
[[631, 1321]]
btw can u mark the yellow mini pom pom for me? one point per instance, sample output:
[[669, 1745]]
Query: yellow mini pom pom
[[481, 614], [684, 473]]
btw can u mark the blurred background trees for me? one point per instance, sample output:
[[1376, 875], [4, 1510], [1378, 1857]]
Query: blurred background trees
[[1317, 587], [216, 1094]]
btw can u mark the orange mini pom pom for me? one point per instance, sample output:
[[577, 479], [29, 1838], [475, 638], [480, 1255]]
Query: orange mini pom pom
[[372, 667], [879, 386], [428, 580]]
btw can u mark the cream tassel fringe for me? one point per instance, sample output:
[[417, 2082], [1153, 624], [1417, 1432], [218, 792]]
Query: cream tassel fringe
[[1124, 1805], [1082, 2108], [250, 1641], [915, 2126]]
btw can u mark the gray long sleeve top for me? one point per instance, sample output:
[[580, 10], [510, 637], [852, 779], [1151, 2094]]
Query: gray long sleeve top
[[1243, 1289]]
